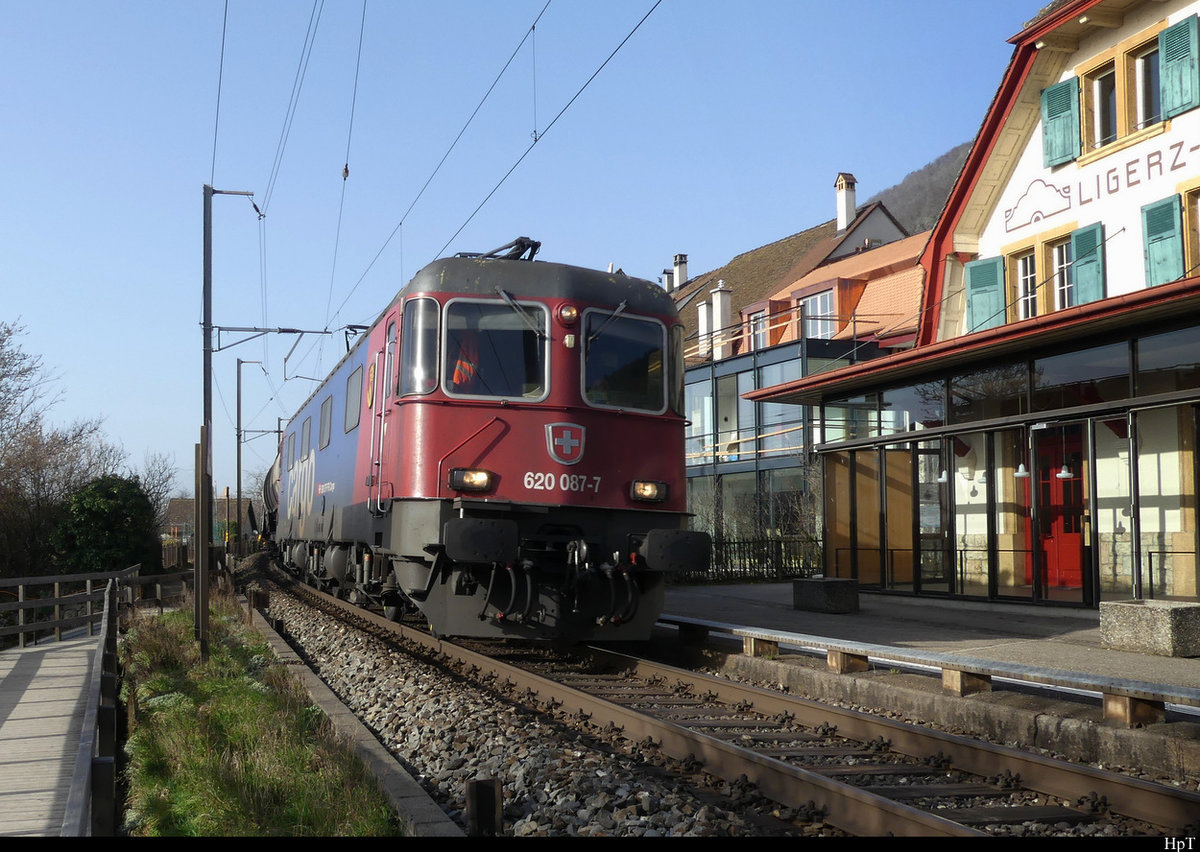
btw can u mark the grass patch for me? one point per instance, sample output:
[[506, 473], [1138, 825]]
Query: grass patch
[[233, 746]]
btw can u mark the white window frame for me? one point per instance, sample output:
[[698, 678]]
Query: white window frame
[[1062, 274], [1147, 86], [1106, 111], [819, 320], [1026, 272], [758, 330]]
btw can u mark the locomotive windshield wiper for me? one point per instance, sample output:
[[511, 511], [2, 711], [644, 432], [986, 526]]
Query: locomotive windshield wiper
[[521, 313], [593, 337]]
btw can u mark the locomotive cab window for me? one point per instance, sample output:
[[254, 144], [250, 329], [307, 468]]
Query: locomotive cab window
[[624, 362], [496, 349]]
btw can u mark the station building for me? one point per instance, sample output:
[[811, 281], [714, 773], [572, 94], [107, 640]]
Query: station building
[[1037, 443]]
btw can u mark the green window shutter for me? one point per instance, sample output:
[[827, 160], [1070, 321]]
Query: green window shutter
[[1087, 247], [1179, 60], [1162, 223], [985, 293], [1060, 123]]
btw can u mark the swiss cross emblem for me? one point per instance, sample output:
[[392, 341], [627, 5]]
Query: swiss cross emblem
[[564, 442]]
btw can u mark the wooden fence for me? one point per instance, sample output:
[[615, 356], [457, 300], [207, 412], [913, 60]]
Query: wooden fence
[[38, 607]]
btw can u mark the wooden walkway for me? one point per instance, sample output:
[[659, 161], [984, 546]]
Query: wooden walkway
[[43, 695]]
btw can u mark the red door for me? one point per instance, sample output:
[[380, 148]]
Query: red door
[[1061, 508]]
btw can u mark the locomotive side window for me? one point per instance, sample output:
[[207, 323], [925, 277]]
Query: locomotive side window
[[305, 438], [390, 356], [496, 349], [624, 362], [291, 450], [675, 375], [418, 343], [353, 399], [326, 422]]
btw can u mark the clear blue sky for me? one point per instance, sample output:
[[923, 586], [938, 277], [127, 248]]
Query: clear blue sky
[[718, 127]]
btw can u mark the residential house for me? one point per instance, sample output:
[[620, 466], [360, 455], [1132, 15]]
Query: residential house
[[749, 472]]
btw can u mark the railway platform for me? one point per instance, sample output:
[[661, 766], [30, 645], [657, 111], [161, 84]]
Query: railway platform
[[1052, 670], [1050, 637]]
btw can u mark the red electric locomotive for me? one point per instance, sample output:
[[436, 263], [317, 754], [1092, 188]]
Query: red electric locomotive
[[503, 451]]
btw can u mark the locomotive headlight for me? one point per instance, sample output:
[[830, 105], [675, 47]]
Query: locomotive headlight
[[648, 491], [467, 479], [568, 314]]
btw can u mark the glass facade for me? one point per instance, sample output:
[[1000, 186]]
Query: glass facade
[[1012, 514], [1053, 478], [1099, 374], [1166, 492], [751, 472], [1001, 391]]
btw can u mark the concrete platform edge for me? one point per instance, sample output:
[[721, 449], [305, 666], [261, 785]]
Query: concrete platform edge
[[999, 716], [422, 816]]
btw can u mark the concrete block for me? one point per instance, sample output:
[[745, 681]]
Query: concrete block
[[1166, 628], [962, 683], [1133, 712], [843, 662], [752, 646], [825, 594]]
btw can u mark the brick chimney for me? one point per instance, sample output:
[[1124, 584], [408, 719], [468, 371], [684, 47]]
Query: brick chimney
[[704, 328], [722, 304], [680, 277], [845, 200]]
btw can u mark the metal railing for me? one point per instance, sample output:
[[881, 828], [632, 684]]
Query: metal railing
[[764, 559], [1156, 581], [91, 803]]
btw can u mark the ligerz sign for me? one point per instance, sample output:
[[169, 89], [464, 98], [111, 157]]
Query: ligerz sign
[[1043, 199]]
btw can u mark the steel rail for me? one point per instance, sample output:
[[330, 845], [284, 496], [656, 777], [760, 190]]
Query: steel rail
[[1132, 797], [848, 808]]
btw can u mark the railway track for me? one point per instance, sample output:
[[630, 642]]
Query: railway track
[[856, 773], [870, 775]]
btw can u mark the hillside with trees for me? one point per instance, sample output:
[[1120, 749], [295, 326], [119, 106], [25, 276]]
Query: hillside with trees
[[917, 201]]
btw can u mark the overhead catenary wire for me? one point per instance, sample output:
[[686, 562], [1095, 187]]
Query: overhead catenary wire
[[542, 135], [220, 77], [345, 170], [445, 156], [536, 134], [1053, 276], [297, 85]]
